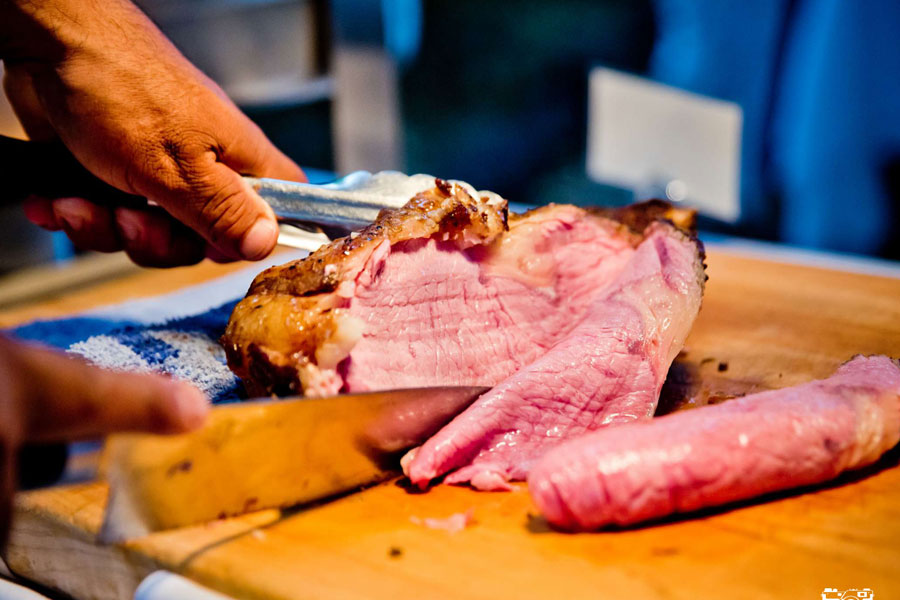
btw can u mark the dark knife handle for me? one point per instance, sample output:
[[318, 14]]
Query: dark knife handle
[[49, 170], [40, 465]]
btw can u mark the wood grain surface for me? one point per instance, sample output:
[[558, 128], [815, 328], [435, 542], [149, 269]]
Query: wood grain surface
[[762, 325]]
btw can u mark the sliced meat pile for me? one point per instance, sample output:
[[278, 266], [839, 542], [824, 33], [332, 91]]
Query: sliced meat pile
[[718, 454], [573, 315], [608, 369]]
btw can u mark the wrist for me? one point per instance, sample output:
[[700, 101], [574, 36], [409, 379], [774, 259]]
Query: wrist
[[47, 31], [27, 34]]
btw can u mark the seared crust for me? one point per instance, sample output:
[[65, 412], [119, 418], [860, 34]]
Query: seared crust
[[446, 208], [638, 216], [293, 325]]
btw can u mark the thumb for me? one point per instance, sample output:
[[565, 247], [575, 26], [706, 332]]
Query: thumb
[[218, 204], [248, 152]]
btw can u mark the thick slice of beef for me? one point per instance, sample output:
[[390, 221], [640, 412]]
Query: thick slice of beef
[[718, 454], [436, 315], [607, 369], [294, 327], [442, 291]]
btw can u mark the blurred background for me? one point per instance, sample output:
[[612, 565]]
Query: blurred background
[[779, 118]]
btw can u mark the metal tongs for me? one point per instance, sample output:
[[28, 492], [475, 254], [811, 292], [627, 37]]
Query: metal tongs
[[344, 205], [337, 208]]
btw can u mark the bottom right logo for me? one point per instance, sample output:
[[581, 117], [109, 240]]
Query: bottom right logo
[[851, 594]]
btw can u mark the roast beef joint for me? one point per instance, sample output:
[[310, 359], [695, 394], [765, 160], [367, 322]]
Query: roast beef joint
[[573, 316]]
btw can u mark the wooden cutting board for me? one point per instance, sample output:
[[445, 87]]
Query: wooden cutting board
[[762, 325]]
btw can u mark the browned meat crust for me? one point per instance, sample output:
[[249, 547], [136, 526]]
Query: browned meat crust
[[447, 208], [638, 216]]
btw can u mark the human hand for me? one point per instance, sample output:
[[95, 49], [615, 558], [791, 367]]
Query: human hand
[[49, 396], [105, 81]]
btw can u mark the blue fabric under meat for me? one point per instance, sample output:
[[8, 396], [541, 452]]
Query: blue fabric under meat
[[186, 348]]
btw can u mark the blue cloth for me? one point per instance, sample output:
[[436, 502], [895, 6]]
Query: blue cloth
[[726, 49], [153, 335], [819, 84], [186, 348], [836, 124]]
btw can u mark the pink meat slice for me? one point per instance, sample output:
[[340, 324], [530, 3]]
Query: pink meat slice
[[608, 369], [435, 315], [709, 456]]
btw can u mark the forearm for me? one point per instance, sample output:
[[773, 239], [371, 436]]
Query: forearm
[[95, 68], [61, 43], [101, 78], [47, 31], [43, 31]]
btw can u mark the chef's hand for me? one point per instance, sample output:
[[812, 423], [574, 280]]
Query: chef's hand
[[103, 79], [49, 396]]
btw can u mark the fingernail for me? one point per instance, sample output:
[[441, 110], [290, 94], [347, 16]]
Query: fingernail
[[72, 212], [258, 242], [129, 226], [191, 405]]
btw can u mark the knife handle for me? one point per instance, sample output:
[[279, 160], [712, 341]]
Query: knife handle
[[40, 465], [49, 170]]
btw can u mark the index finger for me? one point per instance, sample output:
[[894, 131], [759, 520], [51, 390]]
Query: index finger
[[63, 397]]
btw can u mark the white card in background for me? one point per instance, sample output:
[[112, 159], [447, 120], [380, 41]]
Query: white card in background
[[663, 141]]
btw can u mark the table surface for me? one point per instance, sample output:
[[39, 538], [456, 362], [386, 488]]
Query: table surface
[[771, 324]]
